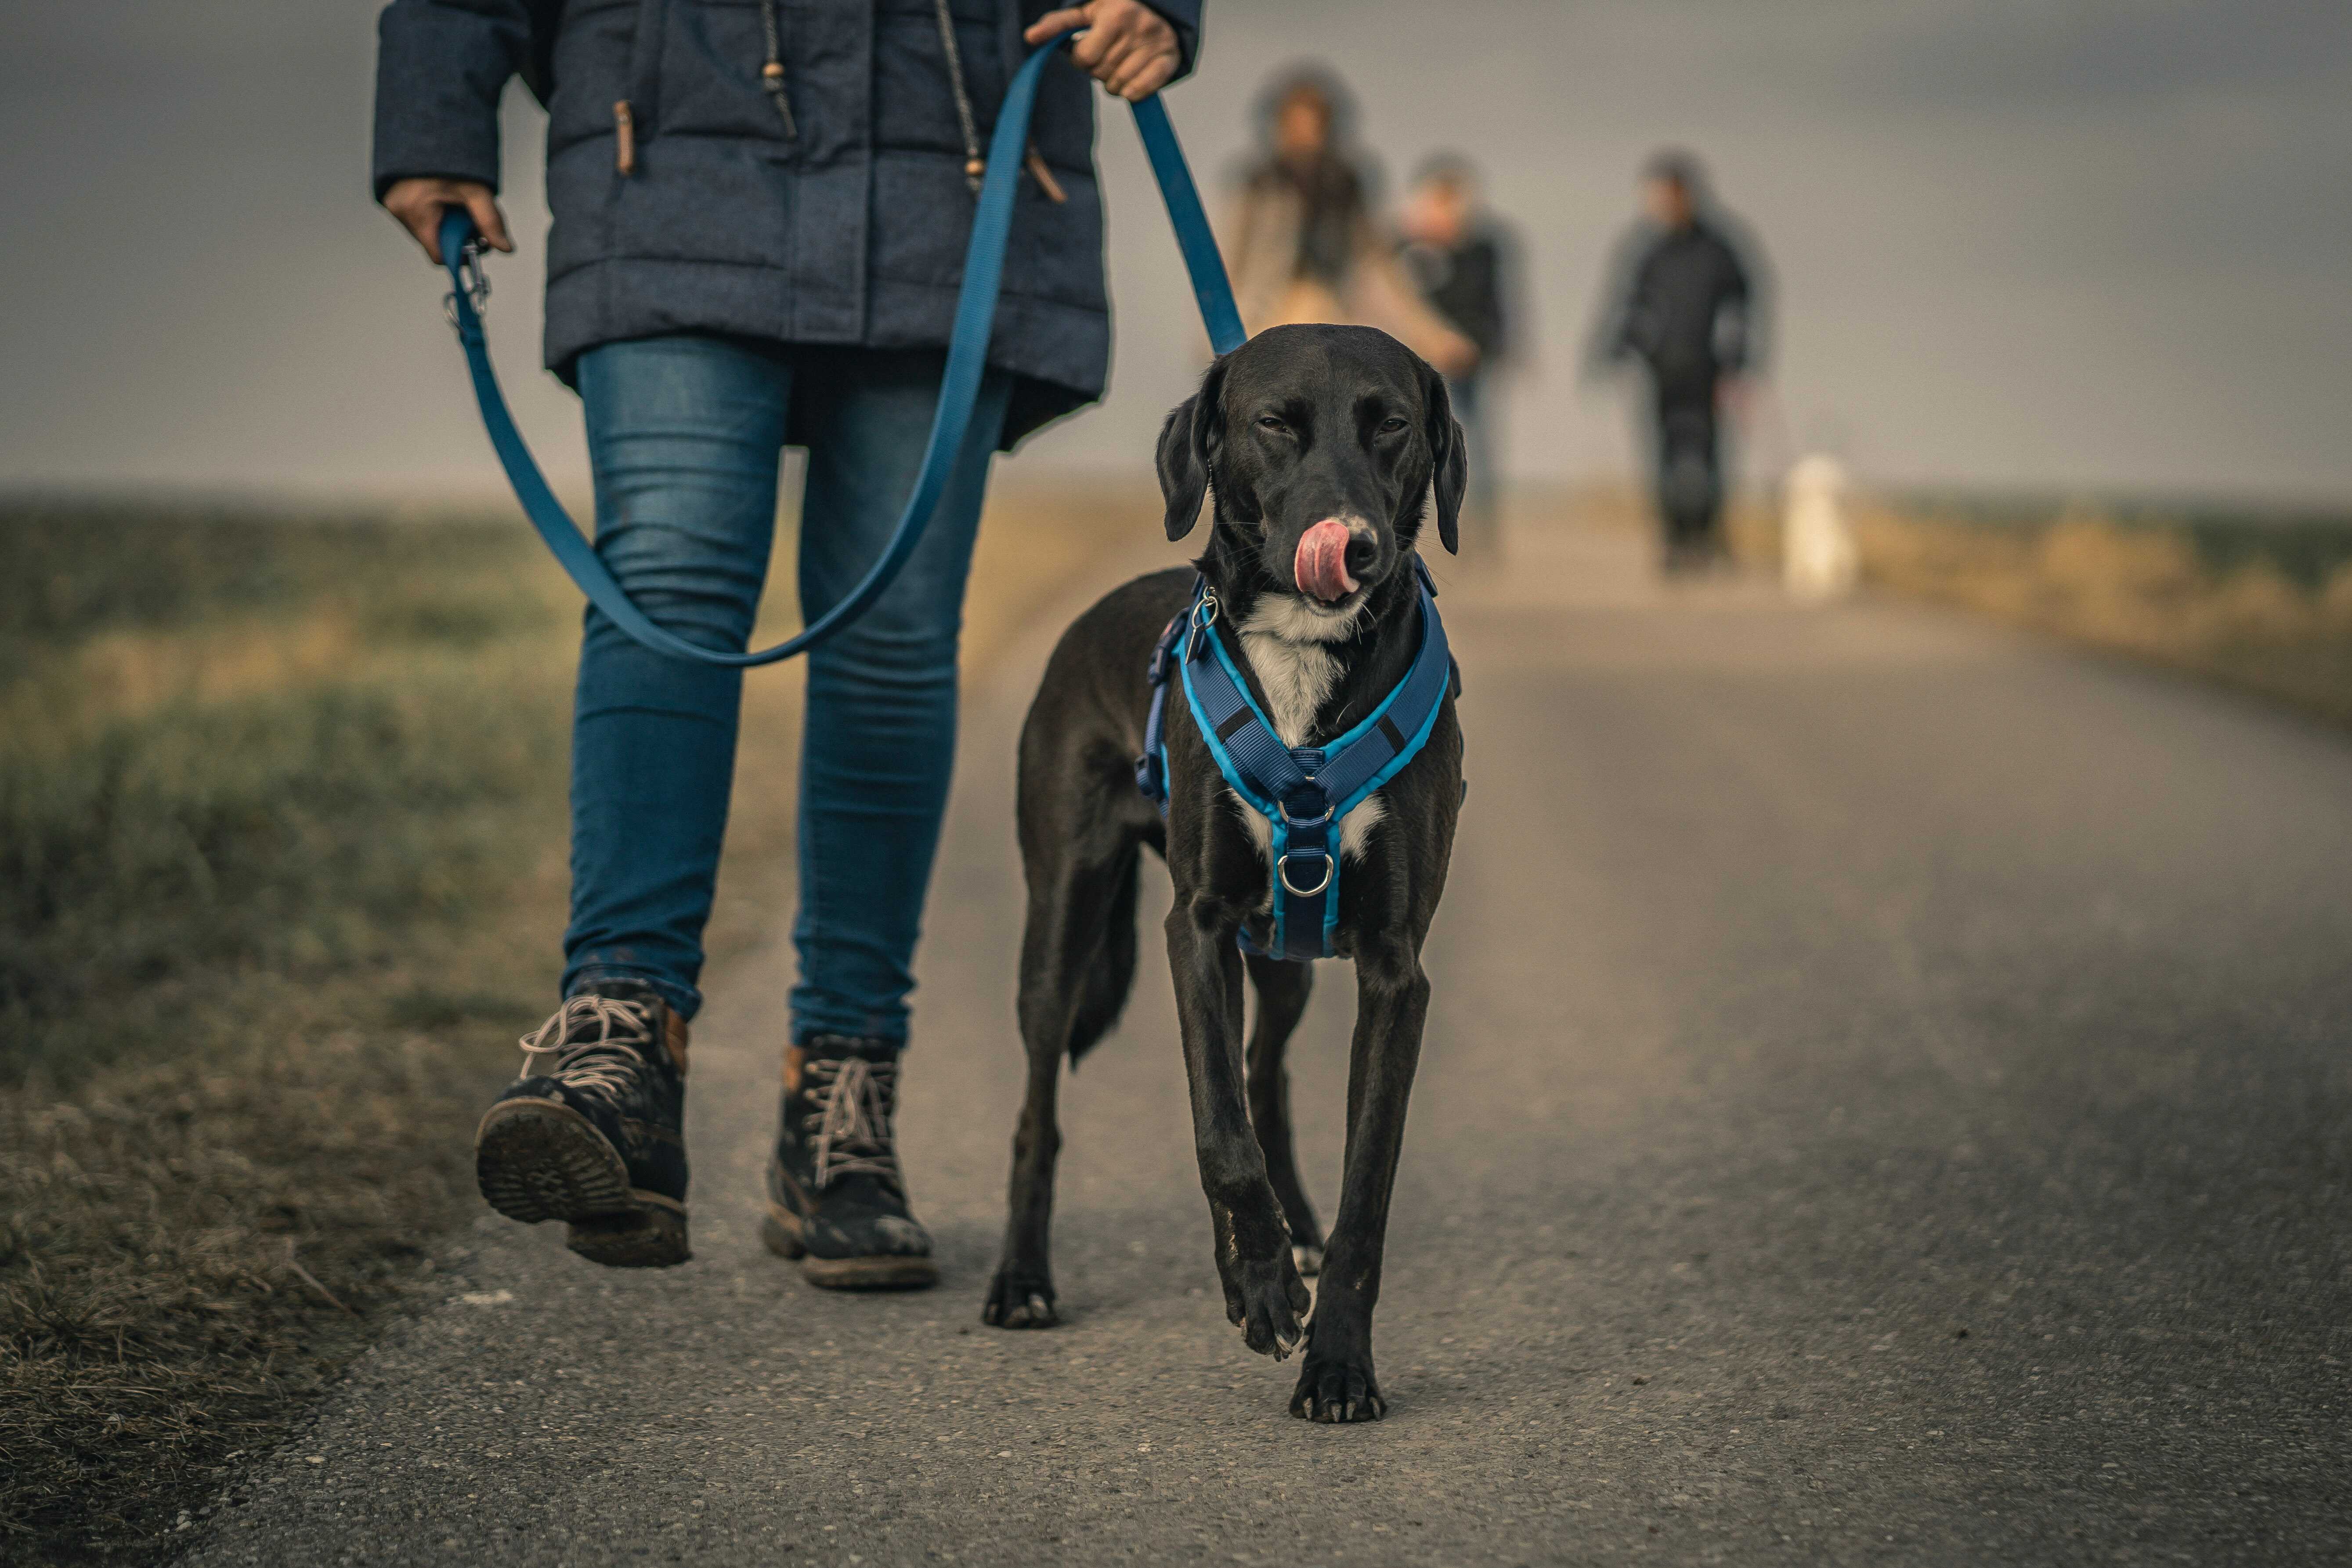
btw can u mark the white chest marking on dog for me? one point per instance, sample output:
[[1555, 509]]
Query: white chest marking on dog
[[1355, 828], [1357, 825], [1287, 641]]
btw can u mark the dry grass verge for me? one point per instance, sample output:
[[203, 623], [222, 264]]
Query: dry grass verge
[[2268, 609], [2258, 600], [281, 875]]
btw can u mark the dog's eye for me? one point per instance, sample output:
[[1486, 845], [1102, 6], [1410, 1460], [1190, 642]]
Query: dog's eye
[[1268, 422], [1392, 425]]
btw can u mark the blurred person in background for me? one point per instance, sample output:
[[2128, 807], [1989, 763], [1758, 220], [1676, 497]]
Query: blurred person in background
[[1685, 301], [759, 223], [1302, 238], [1462, 258]]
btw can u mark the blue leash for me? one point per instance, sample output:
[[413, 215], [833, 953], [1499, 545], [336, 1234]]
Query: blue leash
[[983, 276]]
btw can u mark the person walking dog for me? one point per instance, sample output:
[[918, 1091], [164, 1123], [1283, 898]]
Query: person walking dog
[[1687, 304], [759, 214]]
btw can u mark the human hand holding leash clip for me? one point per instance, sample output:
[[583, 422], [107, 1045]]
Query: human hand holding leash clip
[[417, 203]]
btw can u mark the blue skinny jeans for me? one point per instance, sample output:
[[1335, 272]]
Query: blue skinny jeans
[[685, 435]]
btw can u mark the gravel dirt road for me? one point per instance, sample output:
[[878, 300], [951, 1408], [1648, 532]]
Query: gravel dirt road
[[1886, 1100]]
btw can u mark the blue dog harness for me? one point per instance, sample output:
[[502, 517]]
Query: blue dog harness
[[1303, 792]]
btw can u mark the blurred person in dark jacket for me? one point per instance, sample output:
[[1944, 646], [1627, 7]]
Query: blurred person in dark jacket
[[760, 212], [1687, 302], [1463, 259]]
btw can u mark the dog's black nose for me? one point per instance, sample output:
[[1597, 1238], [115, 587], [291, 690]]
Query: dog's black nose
[[1363, 550]]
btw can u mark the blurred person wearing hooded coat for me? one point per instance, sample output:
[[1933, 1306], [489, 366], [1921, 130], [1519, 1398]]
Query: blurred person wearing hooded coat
[[1687, 303], [1301, 237]]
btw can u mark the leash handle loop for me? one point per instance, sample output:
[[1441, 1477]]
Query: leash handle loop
[[984, 278]]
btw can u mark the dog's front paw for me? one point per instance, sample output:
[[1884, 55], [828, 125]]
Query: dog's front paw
[[1267, 1300], [1020, 1301], [1338, 1388]]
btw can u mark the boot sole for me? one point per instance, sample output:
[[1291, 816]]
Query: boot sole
[[781, 1232], [536, 1159]]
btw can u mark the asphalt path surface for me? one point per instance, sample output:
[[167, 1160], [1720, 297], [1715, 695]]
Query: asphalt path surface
[[1886, 1100]]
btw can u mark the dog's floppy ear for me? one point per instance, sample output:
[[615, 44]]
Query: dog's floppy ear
[[1449, 461], [1188, 444]]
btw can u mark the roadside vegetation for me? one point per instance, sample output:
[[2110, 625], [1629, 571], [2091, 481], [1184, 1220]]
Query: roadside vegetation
[[281, 878], [2261, 600]]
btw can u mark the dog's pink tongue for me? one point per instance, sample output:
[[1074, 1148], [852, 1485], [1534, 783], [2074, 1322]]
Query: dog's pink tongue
[[1322, 564]]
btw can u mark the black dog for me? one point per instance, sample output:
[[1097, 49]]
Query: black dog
[[1320, 448]]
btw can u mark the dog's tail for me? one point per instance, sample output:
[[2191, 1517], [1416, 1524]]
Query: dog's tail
[[1105, 983]]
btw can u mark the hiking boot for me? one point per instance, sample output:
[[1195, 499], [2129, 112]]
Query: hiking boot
[[591, 1133], [836, 1199]]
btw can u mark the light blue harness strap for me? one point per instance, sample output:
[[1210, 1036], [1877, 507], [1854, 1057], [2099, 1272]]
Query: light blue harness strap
[[1369, 755], [983, 276], [1304, 792]]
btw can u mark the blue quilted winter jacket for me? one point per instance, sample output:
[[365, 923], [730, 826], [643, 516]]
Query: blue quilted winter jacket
[[704, 216]]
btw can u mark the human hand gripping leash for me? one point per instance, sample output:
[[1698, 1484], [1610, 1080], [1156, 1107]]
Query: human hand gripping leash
[[983, 276]]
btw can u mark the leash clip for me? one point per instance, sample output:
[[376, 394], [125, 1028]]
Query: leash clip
[[1204, 615], [476, 281]]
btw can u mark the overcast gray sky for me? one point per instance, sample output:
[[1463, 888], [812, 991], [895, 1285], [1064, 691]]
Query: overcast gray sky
[[2056, 244]]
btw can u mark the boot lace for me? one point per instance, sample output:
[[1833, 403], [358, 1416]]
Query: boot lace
[[602, 1062], [850, 1123]]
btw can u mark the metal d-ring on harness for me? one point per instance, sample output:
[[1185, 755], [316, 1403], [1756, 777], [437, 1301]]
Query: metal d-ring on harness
[[1303, 792], [983, 276]]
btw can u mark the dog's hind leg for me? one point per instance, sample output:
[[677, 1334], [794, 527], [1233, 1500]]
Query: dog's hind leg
[[1077, 960], [1282, 990], [1392, 1003], [1022, 1294], [1104, 977]]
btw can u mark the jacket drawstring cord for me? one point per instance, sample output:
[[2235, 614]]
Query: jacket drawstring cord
[[771, 82], [772, 74], [974, 165]]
